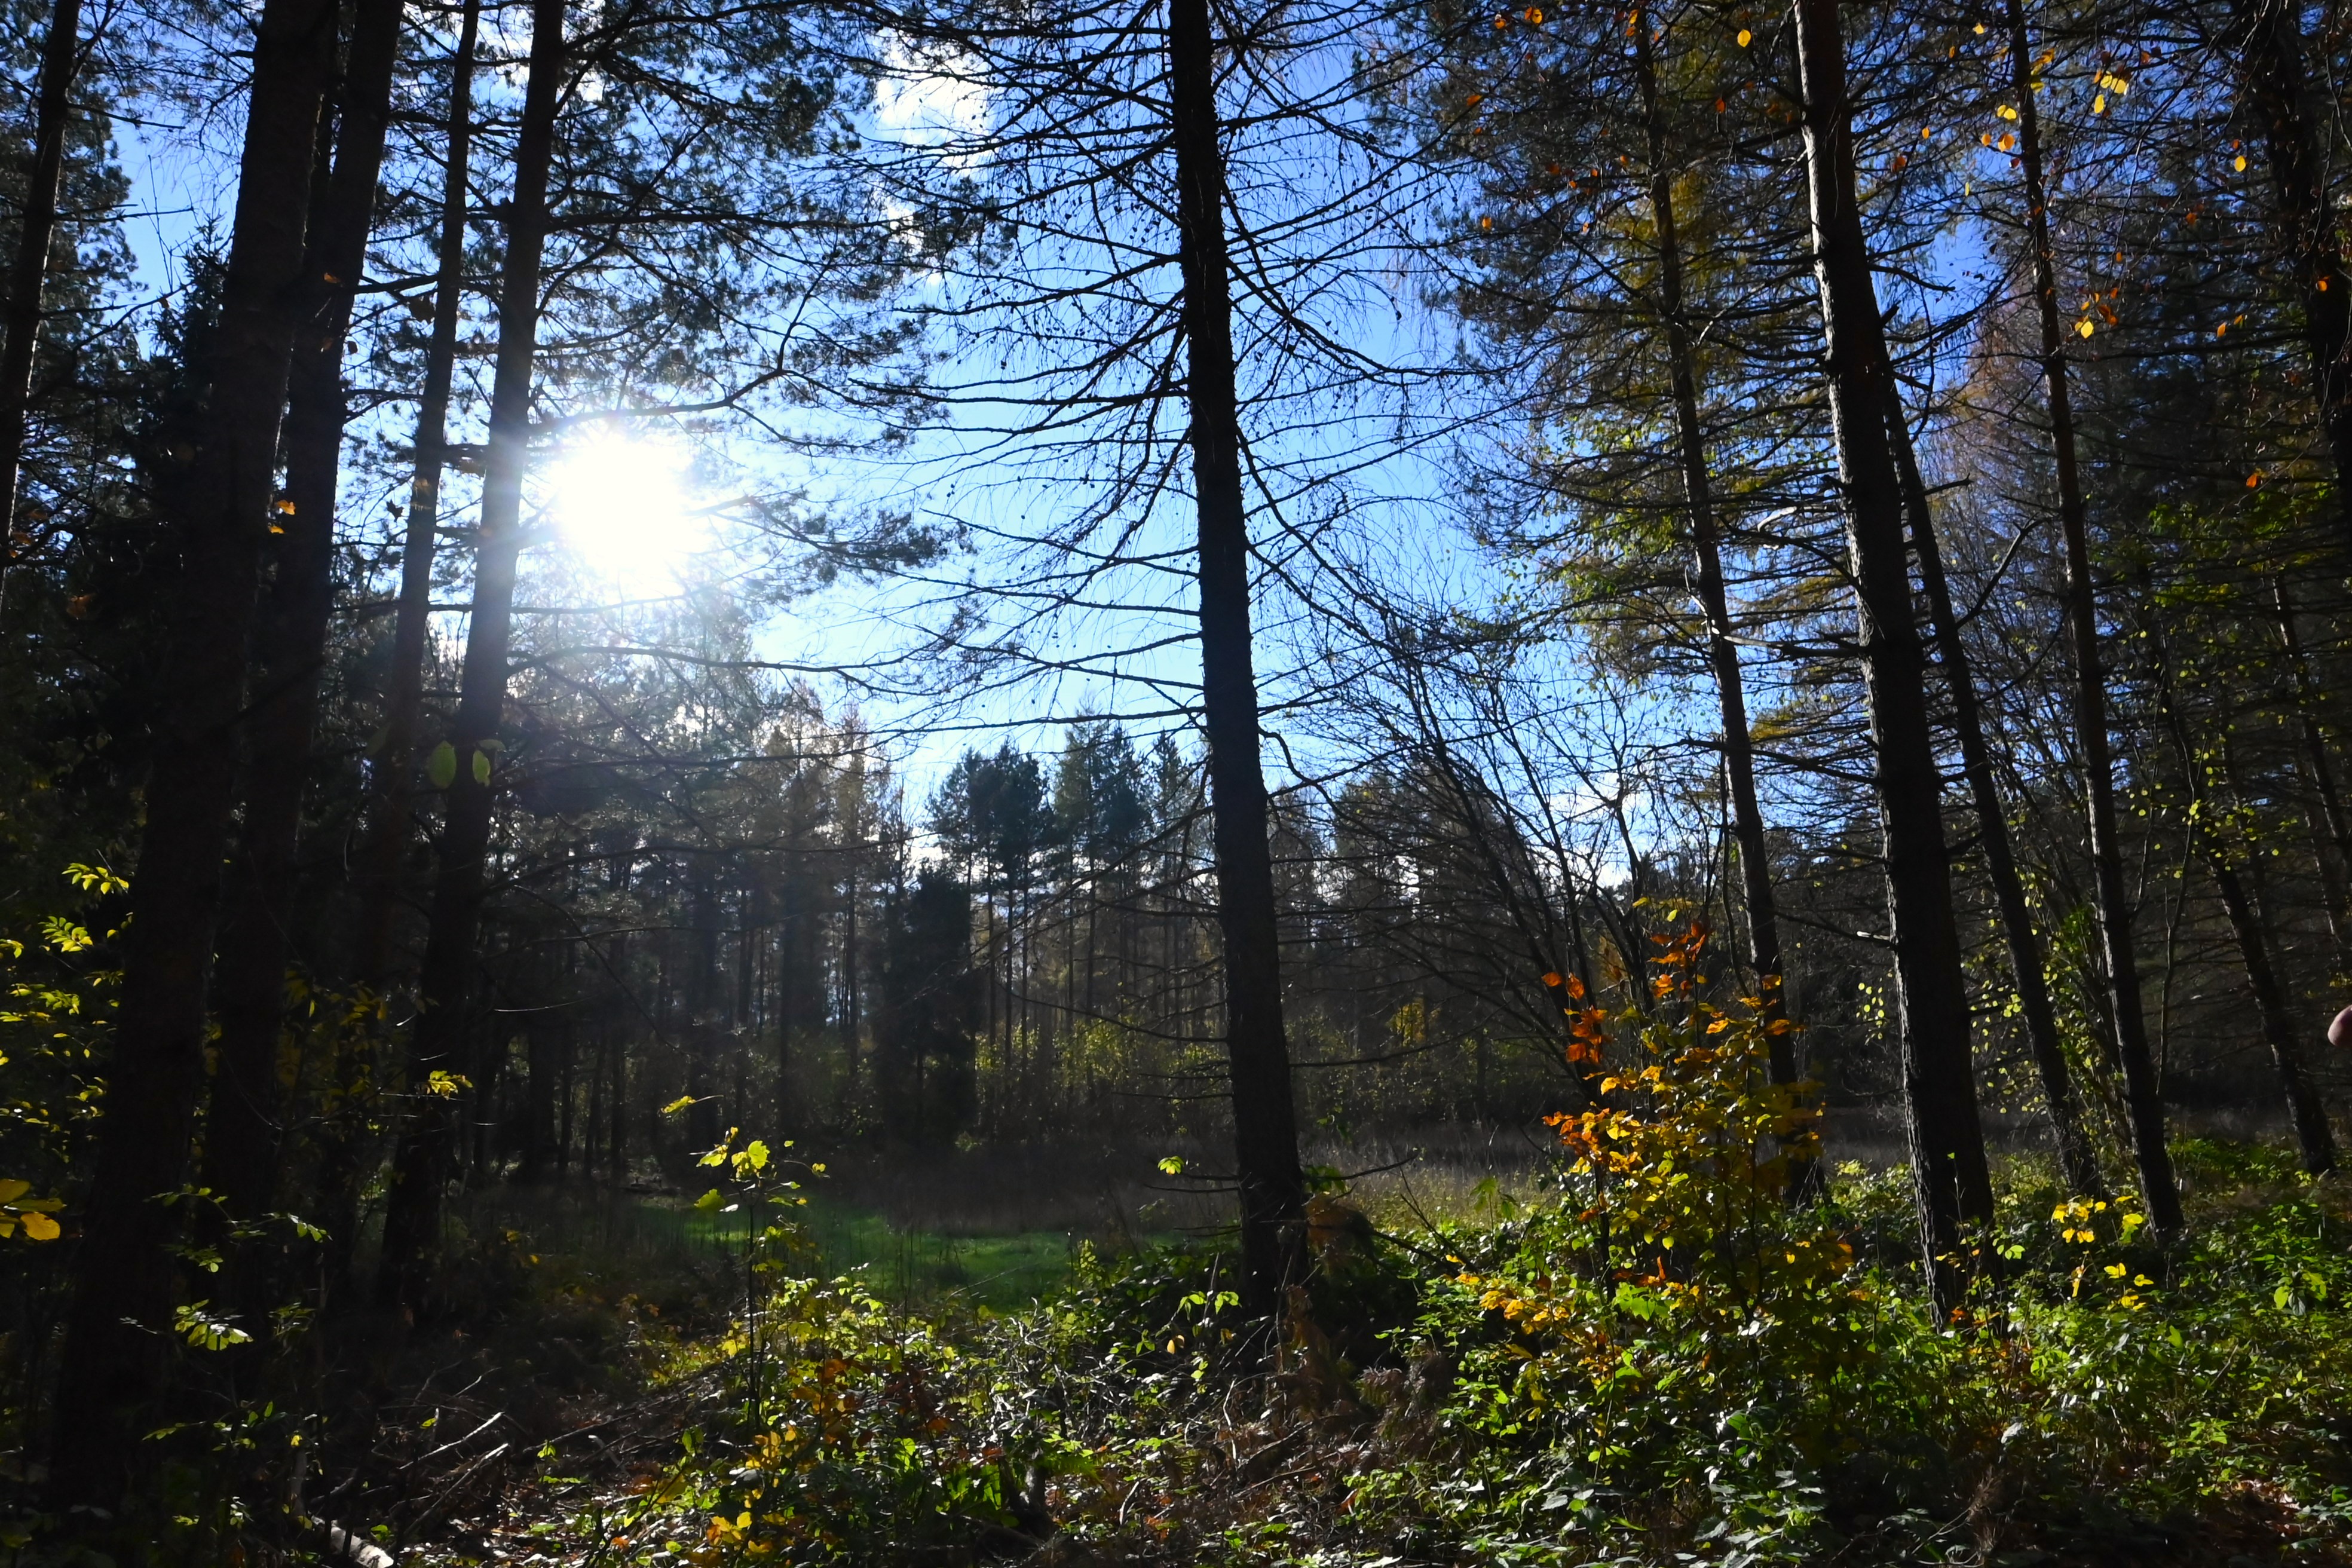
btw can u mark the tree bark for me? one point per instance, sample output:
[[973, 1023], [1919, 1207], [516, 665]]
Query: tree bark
[[2322, 774], [2313, 1138], [393, 772], [1722, 653], [2311, 1134], [36, 233], [702, 1010], [242, 1128], [2303, 224], [120, 1316], [412, 1216], [1266, 1127], [616, 1153], [1952, 1186], [2078, 1161], [2143, 1094]]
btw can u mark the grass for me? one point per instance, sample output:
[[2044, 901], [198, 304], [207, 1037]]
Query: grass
[[909, 1266]]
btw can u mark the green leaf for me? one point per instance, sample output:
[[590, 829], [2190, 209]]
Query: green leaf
[[207, 1332], [481, 767], [707, 1201], [442, 767]]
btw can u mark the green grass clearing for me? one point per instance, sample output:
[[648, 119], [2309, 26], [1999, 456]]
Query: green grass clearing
[[905, 1265]]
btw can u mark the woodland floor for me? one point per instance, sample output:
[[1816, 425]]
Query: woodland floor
[[595, 1411]]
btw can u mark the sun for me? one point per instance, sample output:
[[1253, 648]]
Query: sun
[[625, 509]]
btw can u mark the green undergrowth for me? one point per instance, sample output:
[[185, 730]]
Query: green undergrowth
[[1409, 1415], [639, 1237], [1661, 1362], [910, 1266]]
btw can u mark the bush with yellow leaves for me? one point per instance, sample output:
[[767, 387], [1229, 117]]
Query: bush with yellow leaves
[[1679, 1173], [1675, 1329]]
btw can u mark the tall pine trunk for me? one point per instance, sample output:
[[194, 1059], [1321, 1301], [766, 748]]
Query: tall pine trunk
[[2303, 221], [412, 1216], [2313, 1138], [393, 772], [2077, 1160], [2142, 1091], [120, 1316], [1257, 1050], [1952, 1186], [36, 235], [243, 1116], [2334, 854], [1706, 554]]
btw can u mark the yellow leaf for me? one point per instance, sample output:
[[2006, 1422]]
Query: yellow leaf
[[1744, 36], [40, 1228], [11, 1190], [2241, 164], [2084, 328]]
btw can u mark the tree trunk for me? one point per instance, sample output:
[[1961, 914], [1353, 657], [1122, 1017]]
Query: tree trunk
[[121, 1315], [2335, 854], [2311, 1134], [1722, 653], [242, 1123], [1266, 1128], [2142, 1093], [2077, 1161], [412, 1217], [702, 1011], [537, 1101], [591, 1130], [1951, 1182], [567, 1059], [393, 771], [36, 233], [616, 1153], [2302, 222]]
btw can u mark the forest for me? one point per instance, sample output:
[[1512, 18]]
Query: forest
[[1339, 784]]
